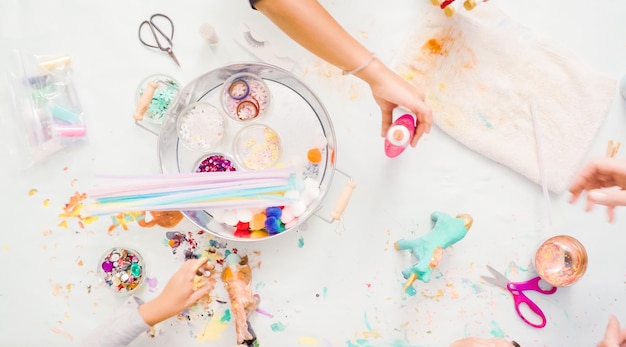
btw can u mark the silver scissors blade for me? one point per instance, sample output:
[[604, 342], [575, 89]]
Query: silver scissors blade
[[498, 279], [156, 32], [171, 53]]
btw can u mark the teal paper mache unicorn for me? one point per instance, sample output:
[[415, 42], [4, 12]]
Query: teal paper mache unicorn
[[428, 249]]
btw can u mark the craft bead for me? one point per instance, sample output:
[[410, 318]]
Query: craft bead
[[230, 218], [314, 155], [258, 234], [244, 214], [298, 208], [257, 222], [286, 216], [273, 211]]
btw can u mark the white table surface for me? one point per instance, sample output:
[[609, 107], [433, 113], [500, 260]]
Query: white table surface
[[328, 284]]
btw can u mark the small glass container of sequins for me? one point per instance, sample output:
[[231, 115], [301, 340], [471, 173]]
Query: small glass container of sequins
[[257, 147], [215, 162], [201, 126], [245, 97], [166, 91], [122, 270]]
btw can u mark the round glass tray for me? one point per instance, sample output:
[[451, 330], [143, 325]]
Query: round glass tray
[[296, 114]]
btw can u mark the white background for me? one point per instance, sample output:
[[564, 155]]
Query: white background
[[343, 286]]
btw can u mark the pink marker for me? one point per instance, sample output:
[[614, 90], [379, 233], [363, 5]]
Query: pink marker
[[69, 130], [399, 135]]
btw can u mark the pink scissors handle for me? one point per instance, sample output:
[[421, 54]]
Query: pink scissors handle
[[517, 289]]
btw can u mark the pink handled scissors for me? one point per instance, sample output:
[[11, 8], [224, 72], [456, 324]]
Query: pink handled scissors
[[517, 289]]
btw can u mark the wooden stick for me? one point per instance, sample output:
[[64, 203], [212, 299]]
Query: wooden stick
[[612, 148], [410, 281]]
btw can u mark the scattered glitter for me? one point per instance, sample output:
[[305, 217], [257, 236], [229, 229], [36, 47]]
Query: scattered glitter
[[175, 239], [496, 331], [72, 210], [278, 326], [62, 333], [308, 341], [32, 192], [436, 296], [152, 283], [46, 202]]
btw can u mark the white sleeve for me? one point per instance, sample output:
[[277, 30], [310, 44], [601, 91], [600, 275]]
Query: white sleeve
[[120, 329]]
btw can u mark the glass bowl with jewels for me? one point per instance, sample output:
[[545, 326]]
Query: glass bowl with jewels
[[201, 126], [164, 90], [122, 270], [245, 97]]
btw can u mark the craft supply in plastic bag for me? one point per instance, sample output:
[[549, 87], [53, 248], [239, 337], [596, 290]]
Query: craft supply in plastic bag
[[48, 115]]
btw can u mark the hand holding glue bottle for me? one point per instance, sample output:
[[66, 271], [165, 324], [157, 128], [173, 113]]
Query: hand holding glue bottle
[[308, 23]]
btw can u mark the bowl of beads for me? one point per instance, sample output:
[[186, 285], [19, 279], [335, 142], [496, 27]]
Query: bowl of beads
[[122, 270], [245, 96], [201, 126], [164, 89], [294, 135]]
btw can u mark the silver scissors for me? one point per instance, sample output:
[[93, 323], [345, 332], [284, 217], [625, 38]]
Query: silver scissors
[[517, 290], [157, 31]]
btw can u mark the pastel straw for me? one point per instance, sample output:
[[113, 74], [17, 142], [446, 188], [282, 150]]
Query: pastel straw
[[198, 191]]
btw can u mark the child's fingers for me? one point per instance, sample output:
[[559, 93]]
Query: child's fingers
[[612, 334], [610, 210], [199, 263], [204, 289]]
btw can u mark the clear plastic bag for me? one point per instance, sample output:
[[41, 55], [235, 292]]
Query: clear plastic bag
[[48, 114]]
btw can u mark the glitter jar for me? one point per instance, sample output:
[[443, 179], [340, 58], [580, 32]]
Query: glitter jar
[[561, 260], [257, 147], [245, 97], [201, 126], [215, 162], [122, 270], [164, 95]]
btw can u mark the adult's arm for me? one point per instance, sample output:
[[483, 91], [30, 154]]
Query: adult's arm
[[311, 26]]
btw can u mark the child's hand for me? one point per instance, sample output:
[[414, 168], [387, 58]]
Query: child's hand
[[600, 178], [614, 335], [180, 292], [390, 91]]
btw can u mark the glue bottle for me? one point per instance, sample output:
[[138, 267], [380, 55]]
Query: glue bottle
[[399, 135]]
